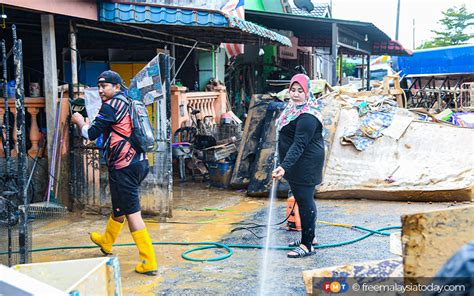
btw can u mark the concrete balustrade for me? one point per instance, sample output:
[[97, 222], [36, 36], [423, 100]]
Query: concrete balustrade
[[212, 104], [32, 106]]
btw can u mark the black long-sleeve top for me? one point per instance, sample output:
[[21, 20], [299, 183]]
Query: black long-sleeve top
[[301, 150]]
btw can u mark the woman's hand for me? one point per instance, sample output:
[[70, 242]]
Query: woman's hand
[[278, 173]]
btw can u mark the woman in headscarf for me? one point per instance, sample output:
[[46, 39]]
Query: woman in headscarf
[[301, 150]]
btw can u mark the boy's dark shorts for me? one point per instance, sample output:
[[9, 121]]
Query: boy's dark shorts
[[125, 187]]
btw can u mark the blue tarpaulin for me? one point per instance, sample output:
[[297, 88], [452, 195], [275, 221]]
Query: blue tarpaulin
[[441, 60]]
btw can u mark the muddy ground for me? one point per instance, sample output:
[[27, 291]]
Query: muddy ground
[[204, 214]]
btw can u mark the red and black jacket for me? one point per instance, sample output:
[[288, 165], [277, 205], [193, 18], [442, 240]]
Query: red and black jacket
[[114, 121]]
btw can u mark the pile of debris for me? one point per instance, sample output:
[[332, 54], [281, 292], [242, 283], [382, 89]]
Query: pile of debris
[[374, 148]]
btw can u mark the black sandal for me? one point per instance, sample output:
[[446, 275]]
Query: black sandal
[[296, 243], [300, 253]]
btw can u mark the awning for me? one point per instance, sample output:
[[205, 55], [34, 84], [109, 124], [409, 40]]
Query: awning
[[209, 26], [317, 32], [391, 47]]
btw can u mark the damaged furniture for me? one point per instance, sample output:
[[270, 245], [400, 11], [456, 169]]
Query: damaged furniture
[[182, 147]]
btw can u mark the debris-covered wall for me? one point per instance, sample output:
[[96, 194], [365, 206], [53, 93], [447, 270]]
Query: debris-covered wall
[[430, 238], [374, 150]]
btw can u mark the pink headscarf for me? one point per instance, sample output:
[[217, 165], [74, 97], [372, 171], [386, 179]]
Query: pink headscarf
[[292, 111], [303, 80]]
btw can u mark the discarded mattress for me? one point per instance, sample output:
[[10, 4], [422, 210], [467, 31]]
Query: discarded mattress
[[429, 162]]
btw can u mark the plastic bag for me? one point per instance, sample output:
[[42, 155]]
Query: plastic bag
[[92, 101]]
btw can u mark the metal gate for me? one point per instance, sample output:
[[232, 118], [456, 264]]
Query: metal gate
[[15, 226], [89, 181], [436, 91]]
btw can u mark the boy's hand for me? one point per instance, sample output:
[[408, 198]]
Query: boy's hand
[[77, 119]]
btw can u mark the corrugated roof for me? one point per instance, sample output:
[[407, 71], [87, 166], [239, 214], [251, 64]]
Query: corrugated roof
[[149, 14], [317, 31]]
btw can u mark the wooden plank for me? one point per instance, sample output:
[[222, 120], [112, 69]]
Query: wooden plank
[[431, 238], [250, 138], [386, 86], [261, 181], [50, 75]]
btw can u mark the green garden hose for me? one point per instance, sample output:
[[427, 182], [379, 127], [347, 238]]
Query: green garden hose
[[228, 247]]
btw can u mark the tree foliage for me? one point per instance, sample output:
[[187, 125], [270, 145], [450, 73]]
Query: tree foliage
[[454, 24], [348, 68]]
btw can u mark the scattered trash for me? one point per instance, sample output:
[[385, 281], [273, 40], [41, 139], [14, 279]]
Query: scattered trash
[[464, 119]]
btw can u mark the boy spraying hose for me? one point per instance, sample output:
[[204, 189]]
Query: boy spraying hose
[[127, 169]]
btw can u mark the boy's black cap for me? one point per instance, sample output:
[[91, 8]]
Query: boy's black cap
[[110, 77]]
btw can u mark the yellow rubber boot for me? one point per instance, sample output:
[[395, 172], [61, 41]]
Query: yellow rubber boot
[[106, 240], [148, 265]]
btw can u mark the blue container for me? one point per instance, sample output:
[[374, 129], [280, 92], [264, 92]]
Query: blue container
[[11, 88], [220, 173]]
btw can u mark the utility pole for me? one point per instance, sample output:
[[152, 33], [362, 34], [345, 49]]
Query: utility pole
[[398, 20], [413, 33]]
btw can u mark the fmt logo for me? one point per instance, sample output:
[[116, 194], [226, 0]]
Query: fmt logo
[[335, 287]]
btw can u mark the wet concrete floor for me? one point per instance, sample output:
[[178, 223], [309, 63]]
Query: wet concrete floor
[[202, 214]]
